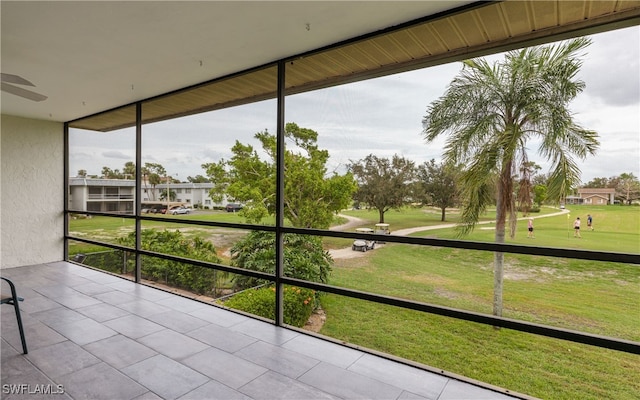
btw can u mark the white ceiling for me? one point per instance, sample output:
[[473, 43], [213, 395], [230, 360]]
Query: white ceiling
[[92, 56]]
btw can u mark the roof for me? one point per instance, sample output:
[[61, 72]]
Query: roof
[[89, 57], [101, 182], [597, 190]]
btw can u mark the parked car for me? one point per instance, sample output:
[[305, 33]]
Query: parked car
[[233, 207], [178, 210], [155, 208]]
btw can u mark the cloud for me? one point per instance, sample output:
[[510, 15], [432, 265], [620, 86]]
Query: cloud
[[118, 155], [612, 72]]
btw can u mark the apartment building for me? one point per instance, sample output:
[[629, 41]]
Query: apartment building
[[118, 195]]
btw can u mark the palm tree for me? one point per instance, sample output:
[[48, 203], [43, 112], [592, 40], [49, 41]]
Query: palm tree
[[129, 170], [492, 112]]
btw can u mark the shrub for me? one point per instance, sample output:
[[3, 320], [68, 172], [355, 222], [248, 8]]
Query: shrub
[[185, 276], [298, 303], [304, 257]]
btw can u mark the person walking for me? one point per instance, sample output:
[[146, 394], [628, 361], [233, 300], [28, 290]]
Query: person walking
[[589, 221], [576, 228], [530, 228]]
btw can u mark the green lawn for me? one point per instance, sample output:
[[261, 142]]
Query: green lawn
[[616, 229], [109, 229], [602, 298]]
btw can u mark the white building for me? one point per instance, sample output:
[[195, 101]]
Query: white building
[[118, 195], [104, 195], [189, 194]]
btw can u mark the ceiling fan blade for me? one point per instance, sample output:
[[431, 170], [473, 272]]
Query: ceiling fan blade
[[10, 78], [27, 94]]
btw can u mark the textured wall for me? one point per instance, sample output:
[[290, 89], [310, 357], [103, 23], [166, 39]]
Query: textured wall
[[31, 191]]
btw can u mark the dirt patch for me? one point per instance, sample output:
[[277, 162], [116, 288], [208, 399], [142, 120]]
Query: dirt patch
[[316, 321], [445, 293], [221, 238]]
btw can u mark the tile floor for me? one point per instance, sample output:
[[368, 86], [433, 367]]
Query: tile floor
[[96, 336]]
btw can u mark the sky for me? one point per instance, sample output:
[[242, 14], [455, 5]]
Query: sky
[[383, 116]]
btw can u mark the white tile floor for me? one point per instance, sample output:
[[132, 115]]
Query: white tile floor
[[96, 336]]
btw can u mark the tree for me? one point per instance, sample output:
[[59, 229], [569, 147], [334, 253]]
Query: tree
[[540, 179], [539, 194], [152, 174], [198, 179], [439, 183], [382, 183], [627, 188], [524, 186], [108, 173], [172, 195], [490, 113], [311, 198], [598, 183], [82, 173], [129, 170]]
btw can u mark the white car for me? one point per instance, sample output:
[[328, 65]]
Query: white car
[[179, 210]]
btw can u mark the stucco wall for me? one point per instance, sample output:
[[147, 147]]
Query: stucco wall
[[31, 191]]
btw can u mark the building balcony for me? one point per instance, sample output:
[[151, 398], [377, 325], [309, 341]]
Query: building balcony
[[111, 197], [92, 335]]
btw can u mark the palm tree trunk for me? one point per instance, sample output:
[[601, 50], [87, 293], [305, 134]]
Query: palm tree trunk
[[498, 275], [502, 203]]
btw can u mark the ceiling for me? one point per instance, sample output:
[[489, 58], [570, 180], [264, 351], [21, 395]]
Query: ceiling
[[92, 56]]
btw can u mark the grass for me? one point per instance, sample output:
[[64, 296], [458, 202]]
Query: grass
[[601, 298], [596, 297], [545, 368], [109, 229], [616, 229]]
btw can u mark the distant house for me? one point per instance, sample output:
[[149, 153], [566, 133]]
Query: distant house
[[596, 196]]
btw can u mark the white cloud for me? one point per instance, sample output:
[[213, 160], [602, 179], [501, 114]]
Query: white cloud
[[612, 72], [119, 155]]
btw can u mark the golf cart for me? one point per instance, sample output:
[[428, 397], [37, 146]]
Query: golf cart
[[382, 229], [362, 244]]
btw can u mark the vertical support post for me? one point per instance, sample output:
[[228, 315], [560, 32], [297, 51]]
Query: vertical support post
[[280, 149], [65, 197], [138, 264]]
